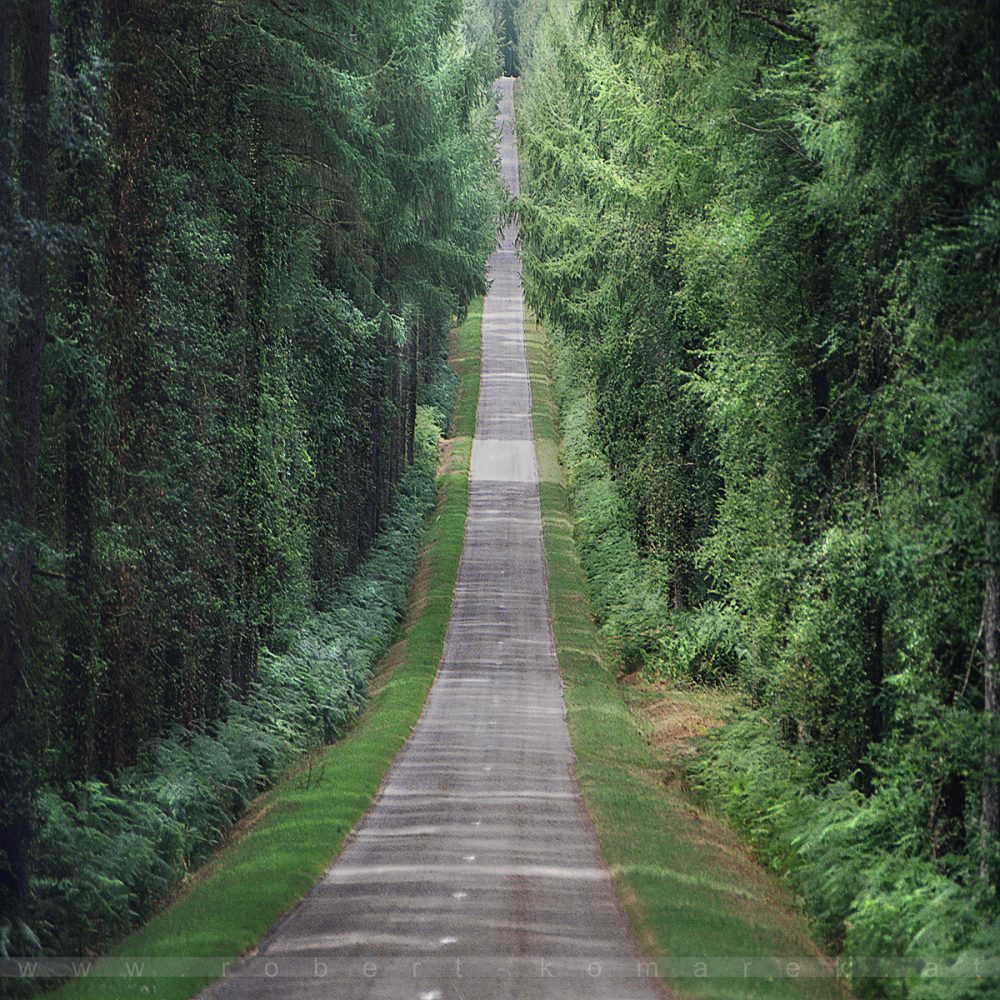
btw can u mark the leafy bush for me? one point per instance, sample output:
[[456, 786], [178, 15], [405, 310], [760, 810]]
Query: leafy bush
[[438, 391], [704, 644], [865, 883]]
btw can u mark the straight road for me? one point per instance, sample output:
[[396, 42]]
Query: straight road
[[476, 874]]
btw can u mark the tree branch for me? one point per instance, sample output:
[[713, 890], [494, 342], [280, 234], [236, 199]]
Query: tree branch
[[782, 26]]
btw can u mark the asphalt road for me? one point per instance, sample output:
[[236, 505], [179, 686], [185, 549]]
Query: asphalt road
[[476, 874]]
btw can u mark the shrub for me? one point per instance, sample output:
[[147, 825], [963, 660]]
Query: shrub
[[866, 885]]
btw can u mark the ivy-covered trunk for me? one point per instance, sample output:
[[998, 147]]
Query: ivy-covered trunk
[[81, 174]]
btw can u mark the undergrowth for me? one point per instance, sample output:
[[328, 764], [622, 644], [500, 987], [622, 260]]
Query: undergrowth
[[636, 614], [859, 863]]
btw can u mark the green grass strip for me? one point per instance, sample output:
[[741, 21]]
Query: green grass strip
[[687, 882], [303, 821]]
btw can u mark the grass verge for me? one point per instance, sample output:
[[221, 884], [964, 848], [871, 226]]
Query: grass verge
[[292, 832], [690, 885]]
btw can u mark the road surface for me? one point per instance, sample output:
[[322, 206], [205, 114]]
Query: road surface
[[476, 874]]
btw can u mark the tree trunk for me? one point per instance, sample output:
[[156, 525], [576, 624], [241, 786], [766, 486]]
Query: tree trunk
[[126, 703], [414, 369], [80, 653], [11, 859], [991, 669], [401, 421], [24, 411], [379, 455], [679, 589], [7, 215]]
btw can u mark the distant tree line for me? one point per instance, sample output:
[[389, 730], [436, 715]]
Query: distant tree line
[[232, 239], [506, 22], [770, 233]]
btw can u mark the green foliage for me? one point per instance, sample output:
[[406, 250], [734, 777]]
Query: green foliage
[[261, 222], [107, 853], [767, 235], [705, 645], [857, 860], [626, 590], [626, 599], [301, 824]]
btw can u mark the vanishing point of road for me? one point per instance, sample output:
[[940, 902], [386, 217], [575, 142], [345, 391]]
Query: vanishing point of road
[[476, 874]]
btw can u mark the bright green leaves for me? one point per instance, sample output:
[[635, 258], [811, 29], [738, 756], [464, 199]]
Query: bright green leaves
[[767, 234]]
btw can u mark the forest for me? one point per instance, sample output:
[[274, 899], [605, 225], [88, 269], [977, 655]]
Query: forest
[[765, 238], [762, 238], [233, 237]]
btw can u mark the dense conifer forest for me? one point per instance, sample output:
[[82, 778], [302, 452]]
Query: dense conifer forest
[[233, 237], [763, 237], [766, 239]]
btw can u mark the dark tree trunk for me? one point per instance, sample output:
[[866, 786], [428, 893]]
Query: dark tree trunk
[[126, 702], [680, 591], [7, 214], [414, 370], [875, 613], [947, 817], [252, 380], [991, 669], [874, 675], [820, 383], [80, 653], [24, 412], [399, 424], [379, 457], [11, 857]]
